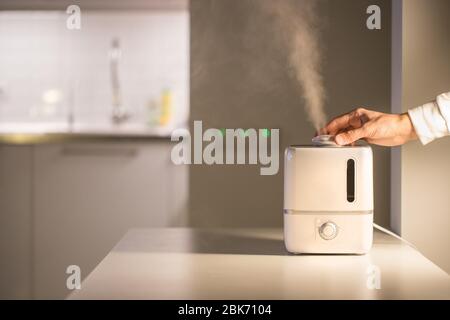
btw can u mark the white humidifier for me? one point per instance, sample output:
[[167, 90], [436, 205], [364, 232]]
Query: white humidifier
[[328, 198]]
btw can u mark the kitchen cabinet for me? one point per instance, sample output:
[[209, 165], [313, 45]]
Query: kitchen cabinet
[[83, 196], [95, 5], [15, 222]]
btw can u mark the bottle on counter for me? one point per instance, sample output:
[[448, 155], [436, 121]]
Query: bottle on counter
[[159, 111], [166, 107]]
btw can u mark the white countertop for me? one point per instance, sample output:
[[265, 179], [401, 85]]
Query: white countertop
[[253, 264]]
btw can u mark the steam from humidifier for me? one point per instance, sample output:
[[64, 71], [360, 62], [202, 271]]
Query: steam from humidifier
[[296, 21]]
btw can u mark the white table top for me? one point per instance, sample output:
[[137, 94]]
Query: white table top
[[253, 264]]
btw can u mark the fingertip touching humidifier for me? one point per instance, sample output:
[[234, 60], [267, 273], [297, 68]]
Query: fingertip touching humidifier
[[328, 198]]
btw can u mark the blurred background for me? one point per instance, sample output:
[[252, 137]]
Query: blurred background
[[86, 114]]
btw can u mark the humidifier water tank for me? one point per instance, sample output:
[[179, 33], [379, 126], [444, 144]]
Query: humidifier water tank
[[328, 199]]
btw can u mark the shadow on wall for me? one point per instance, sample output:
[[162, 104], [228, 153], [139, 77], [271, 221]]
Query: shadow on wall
[[241, 77]]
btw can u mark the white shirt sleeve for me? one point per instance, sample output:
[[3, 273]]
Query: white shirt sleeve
[[432, 120]]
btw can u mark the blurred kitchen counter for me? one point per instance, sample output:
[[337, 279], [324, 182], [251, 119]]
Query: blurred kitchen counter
[[182, 263], [33, 133], [62, 202]]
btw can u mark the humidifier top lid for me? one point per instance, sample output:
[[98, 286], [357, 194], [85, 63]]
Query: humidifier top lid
[[324, 140]]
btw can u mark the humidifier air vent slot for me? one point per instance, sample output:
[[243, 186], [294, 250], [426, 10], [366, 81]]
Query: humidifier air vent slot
[[351, 180]]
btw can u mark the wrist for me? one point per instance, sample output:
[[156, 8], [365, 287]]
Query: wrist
[[406, 123]]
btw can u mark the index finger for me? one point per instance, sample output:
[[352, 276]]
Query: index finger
[[346, 121], [339, 123]]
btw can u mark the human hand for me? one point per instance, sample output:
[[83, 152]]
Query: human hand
[[375, 127]]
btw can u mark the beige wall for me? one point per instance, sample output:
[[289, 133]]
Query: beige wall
[[240, 78], [425, 205]]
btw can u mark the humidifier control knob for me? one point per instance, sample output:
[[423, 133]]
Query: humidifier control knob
[[328, 230]]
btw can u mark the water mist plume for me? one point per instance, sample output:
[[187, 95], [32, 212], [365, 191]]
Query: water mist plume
[[296, 21]]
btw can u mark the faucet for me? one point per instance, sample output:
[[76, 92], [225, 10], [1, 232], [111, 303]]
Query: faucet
[[119, 112]]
